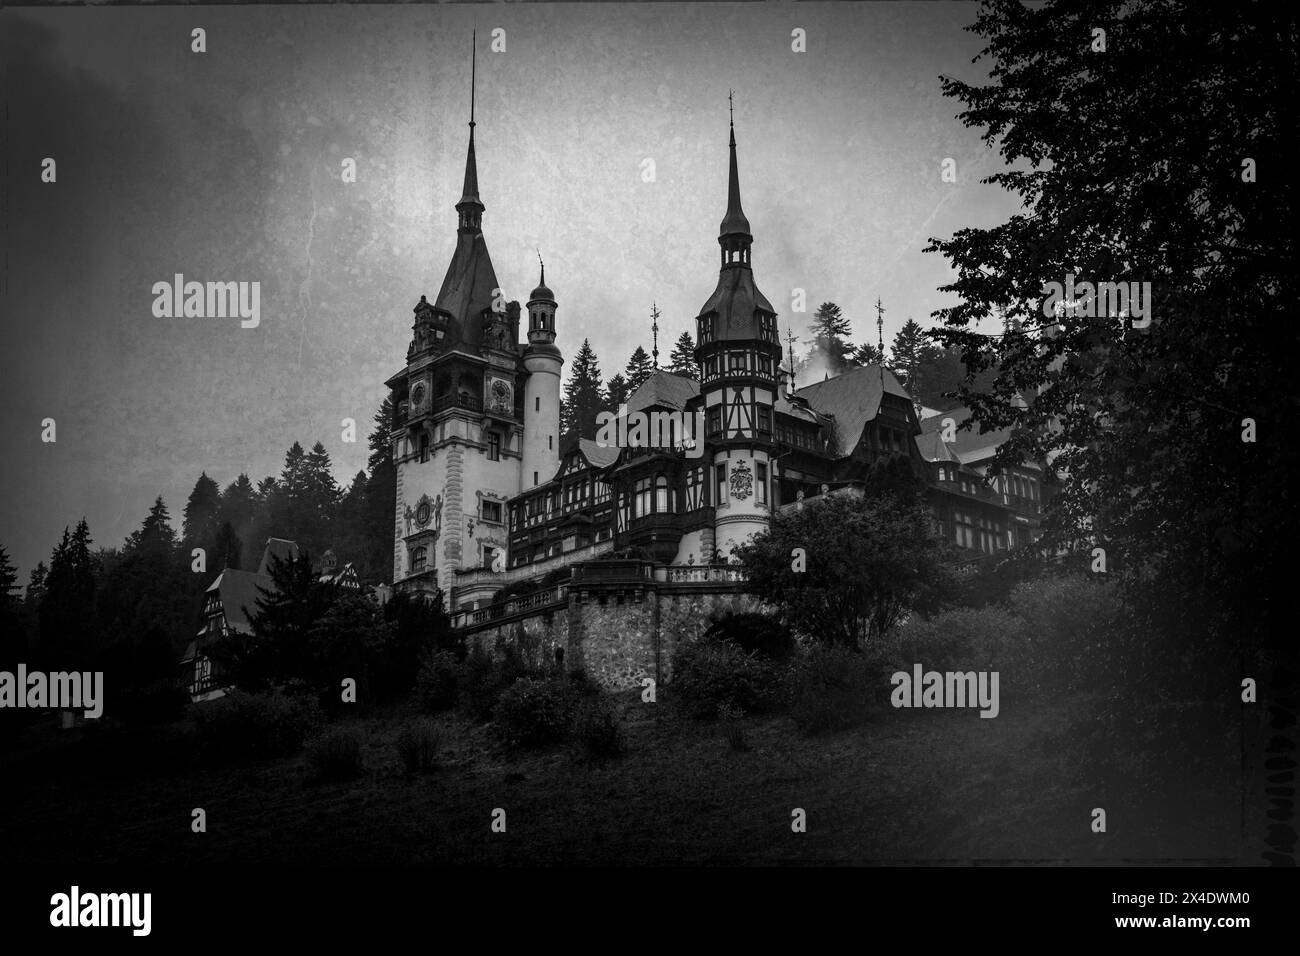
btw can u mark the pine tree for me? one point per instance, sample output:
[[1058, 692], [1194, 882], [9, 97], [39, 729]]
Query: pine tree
[[616, 393], [323, 493], [830, 343], [911, 349], [227, 551], [583, 398], [155, 536], [68, 627], [682, 359], [638, 369], [239, 508], [36, 584], [13, 642], [865, 354], [829, 321], [375, 563], [9, 599], [202, 518]]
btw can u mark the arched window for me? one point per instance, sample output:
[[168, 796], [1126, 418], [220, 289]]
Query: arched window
[[662, 505]]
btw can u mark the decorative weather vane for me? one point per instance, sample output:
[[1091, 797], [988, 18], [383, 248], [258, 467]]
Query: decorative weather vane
[[789, 337], [542, 264], [880, 338], [654, 328], [473, 72]]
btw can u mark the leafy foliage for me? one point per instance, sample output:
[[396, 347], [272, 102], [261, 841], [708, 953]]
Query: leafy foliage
[[869, 560], [1146, 422]]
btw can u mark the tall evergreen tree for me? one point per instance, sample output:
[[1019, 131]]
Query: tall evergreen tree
[[239, 509], [36, 584], [616, 392], [638, 369], [911, 351], [583, 398], [830, 348], [202, 518], [155, 537], [67, 621], [682, 359], [375, 563], [147, 589], [9, 590], [865, 354]]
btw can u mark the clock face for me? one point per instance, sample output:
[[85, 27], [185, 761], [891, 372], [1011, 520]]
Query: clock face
[[501, 393]]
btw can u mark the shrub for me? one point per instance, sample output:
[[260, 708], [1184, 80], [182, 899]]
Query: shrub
[[534, 712], [834, 688], [436, 683], [336, 754], [708, 673], [987, 638], [418, 746], [733, 730], [254, 725], [761, 634], [477, 684], [596, 727]]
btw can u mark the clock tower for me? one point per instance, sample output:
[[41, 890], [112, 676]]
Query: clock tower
[[458, 427]]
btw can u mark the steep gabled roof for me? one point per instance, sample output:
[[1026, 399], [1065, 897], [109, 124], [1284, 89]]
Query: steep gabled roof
[[280, 548], [934, 448], [597, 456], [239, 594], [663, 389], [968, 444], [853, 398]]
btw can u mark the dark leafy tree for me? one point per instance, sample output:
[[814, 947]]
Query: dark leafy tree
[[1141, 411], [869, 561]]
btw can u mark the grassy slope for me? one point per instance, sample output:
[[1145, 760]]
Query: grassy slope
[[914, 785]]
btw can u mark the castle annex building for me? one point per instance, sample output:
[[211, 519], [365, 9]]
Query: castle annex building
[[487, 500]]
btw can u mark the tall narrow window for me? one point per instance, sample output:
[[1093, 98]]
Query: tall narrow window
[[642, 503], [661, 495], [537, 403], [721, 472], [760, 482], [494, 446]]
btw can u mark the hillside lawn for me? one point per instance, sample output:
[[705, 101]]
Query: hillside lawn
[[923, 786]]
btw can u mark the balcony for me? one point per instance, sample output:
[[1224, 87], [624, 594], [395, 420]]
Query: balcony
[[520, 607], [707, 574]]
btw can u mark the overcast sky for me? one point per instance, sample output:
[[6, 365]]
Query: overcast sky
[[226, 166]]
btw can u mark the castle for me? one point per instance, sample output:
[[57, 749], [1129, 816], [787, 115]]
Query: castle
[[488, 504]]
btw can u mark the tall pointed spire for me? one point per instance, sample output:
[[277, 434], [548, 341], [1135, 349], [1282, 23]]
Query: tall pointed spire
[[471, 217], [734, 223]]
